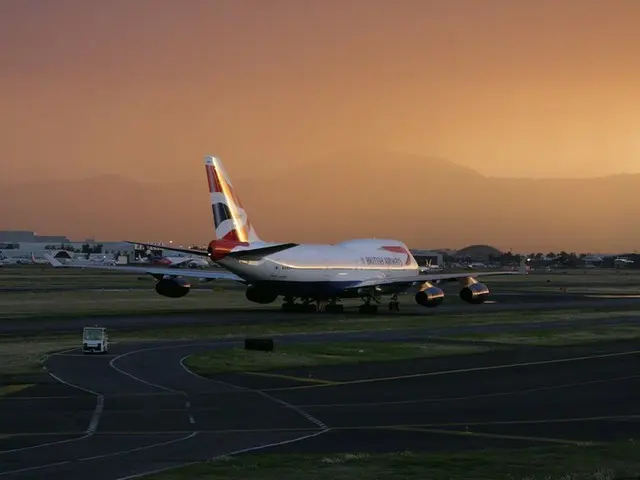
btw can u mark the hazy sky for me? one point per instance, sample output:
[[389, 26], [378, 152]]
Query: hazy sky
[[147, 87]]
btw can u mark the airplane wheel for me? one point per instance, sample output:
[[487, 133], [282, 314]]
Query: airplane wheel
[[394, 305]]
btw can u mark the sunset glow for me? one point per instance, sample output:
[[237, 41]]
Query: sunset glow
[[279, 88]]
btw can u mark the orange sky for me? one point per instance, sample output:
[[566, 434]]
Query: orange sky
[[146, 88]]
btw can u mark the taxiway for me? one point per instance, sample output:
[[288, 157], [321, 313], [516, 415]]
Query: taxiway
[[140, 410]]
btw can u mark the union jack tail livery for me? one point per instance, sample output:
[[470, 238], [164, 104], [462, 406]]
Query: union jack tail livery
[[229, 217]]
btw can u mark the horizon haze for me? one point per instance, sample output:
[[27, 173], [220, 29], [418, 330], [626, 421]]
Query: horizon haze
[[452, 206]]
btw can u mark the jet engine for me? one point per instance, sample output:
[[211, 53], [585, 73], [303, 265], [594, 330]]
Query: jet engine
[[475, 293], [260, 294], [430, 297], [173, 287]]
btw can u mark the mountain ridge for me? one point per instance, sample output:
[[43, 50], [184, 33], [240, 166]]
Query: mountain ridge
[[421, 200]]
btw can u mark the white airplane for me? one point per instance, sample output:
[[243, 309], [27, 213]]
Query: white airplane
[[317, 274], [39, 261], [6, 261]]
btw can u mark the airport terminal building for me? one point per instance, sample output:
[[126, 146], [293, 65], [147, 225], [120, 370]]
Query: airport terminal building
[[423, 257], [16, 244]]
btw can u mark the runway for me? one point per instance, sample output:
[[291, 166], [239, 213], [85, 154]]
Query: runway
[[499, 302], [140, 410]]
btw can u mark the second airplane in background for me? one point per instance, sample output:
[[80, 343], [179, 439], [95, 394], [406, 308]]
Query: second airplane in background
[[315, 274]]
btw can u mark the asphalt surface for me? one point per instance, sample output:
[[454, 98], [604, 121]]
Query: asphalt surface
[[138, 410], [501, 301]]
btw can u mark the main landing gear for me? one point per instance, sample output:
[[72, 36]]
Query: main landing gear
[[310, 305], [394, 304], [370, 308]]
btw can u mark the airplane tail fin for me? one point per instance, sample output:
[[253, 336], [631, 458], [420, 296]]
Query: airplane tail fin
[[53, 261], [229, 217]]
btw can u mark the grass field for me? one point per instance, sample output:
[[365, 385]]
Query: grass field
[[39, 277], [341, 353], [129, 302], [23, 356], [41, 305], [601, 462], [573, 336], [308, 355]]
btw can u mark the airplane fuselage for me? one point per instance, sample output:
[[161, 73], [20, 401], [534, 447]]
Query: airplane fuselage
[[330, 269]]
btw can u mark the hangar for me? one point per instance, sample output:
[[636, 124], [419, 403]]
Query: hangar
[[424, 256], [480, 253]]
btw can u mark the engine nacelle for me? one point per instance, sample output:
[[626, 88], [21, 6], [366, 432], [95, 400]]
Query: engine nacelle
[[173, 287], [430, 297], [260, 295], [475, 293]]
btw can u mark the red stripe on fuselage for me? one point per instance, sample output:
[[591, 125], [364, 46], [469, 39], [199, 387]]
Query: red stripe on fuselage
[[399, 249], [395, 249]]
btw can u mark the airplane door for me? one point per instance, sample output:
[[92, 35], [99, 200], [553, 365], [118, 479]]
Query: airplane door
[[278, 273]]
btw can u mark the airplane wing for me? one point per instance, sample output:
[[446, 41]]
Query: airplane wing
[[253, 253], [433, 277], [159, 271]]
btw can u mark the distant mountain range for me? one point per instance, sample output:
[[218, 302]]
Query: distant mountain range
[[424, 201]]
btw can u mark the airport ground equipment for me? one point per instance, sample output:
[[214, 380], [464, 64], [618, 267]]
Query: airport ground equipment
[[95, 340]]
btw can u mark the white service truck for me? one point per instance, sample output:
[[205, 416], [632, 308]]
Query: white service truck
[[95, 339]]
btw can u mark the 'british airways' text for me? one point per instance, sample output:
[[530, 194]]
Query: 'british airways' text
[[382, 261]]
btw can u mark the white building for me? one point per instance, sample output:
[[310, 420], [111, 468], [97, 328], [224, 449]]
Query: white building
[[75, 249]]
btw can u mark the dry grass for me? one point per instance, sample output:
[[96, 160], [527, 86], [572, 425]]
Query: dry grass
[[49, 304], [559, 337], [608, 462], [307, 355], [25, 356]]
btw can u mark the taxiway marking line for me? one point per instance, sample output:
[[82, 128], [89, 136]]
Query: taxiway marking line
[[467, 397], [541, 421], [112, 364], [460, 370], [490, 435], [217, 457], [95, 418], [73, 397], [104, 433], [292, 377], [98, 457]]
